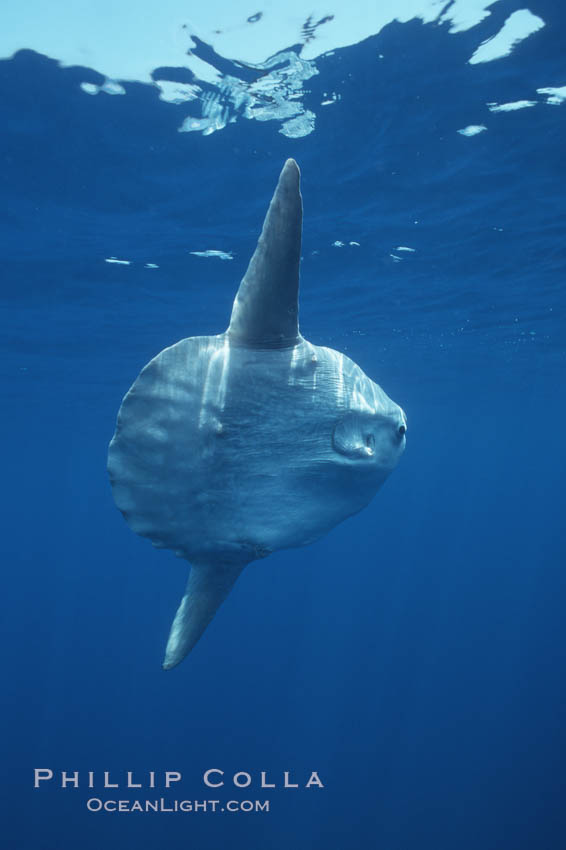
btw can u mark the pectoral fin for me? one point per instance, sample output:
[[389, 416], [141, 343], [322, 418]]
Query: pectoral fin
[[207, 587]]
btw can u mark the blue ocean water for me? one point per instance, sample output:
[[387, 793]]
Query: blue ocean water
[[414, 657]]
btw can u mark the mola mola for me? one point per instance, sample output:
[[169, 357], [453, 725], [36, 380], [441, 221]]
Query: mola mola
[[230, 447]]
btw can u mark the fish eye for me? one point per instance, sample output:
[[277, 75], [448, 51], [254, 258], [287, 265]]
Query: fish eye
[[402, 429], [370, 442]]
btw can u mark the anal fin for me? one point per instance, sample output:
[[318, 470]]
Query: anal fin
[[207, 588]]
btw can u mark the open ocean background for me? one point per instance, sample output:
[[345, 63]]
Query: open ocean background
[[414, 657]]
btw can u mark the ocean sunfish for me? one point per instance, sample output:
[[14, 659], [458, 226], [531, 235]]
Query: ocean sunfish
[[232, 446]]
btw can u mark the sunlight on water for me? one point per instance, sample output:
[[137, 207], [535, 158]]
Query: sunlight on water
[[241, 64]]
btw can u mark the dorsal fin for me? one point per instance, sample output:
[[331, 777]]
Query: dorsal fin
[[266, 308]]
